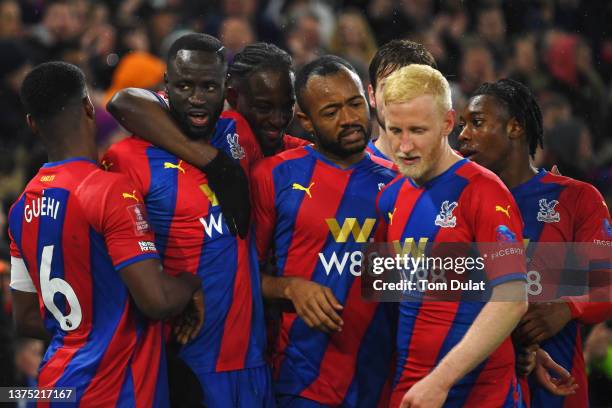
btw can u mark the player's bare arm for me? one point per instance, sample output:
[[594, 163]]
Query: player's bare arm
[[139, 111], [494, 324], [26, 315], [157, 294], [314, 303]]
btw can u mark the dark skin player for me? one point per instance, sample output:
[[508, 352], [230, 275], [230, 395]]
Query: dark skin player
[[195, 84], [336, 113], [266, 99], [71, 133], [494, 139]]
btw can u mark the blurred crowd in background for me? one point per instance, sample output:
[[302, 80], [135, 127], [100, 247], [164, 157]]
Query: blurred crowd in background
[[561, 49]]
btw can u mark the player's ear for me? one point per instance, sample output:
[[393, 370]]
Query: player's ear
[[371, 96], [514, 129], [231, 95], [305, 121], [32, 124], [449, 121], [90, 111]]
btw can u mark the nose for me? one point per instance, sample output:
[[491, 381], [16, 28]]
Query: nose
[[348, 116], [197, 97], [406, 143], [279, 119], [465, 134]]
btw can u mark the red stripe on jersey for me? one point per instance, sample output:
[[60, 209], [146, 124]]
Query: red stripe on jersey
[[581, 398], [423, 351], [144, 383], [77, 260], [486, 390], [183, 234], [341, 366], [402, 214], [300, 257], [237, 330], [524, 384], [105, 386]]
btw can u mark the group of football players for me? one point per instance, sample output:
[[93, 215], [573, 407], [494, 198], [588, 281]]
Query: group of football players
[[148, 272]]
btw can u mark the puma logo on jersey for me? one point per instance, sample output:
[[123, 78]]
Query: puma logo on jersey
[[391, 214], [503, 210], [168, 165], [106, 165], [132, 195], [297, 186]]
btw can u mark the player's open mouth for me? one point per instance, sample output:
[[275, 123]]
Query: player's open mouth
[[409, 161], [198, 119]]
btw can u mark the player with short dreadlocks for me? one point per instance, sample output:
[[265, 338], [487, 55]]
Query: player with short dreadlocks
[[502, 128], [260, 88]]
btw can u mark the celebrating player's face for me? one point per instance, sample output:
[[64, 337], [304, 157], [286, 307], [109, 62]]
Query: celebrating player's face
[[417, 131], [196, 89], [267, 100], [484, 138], [337, 113]]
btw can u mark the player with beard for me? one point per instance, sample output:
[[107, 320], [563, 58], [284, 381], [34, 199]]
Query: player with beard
[[260, 94], [502, 128], [315, 206], [452, 353], [389, 58], [192, 234]]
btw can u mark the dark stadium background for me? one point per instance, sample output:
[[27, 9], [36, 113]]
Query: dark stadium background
[[562, 49]]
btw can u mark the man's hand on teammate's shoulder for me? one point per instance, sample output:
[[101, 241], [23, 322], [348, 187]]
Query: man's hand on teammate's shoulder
[[561, 384], [188, 324], [315, 304], [542, 321], [231, 186], [429, 392]]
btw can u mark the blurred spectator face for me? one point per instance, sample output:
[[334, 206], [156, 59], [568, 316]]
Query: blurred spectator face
[[195, 84], [555, 111], [309, 32], [10, 19], [352, 30], [162, 24], [491, 25], [476, 68], [61, 20], [267, 99], [525, 59], [235, 33], [484, 138], [136, 40], [338, 113], [419, 10], [239, 8], [28, 357]]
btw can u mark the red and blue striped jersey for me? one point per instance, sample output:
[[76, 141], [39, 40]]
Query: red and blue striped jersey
[[375, 151], [317, 217], [465, 204], [560, 209], [73, 228], [191, 235]]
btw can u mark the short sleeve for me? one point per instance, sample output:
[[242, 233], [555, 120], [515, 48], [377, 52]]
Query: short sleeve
[[118, 212], [20, 277], [497, 227], [592, 217]]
